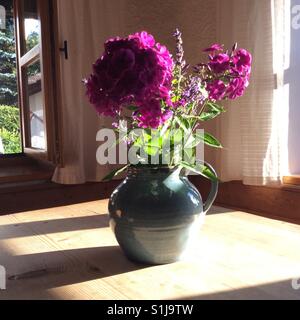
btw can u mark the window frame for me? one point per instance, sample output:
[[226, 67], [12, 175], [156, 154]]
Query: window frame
[[50, 64], [45, 53]]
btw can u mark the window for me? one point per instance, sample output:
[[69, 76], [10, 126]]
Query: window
[[292, 78], [28, 87], [36, 75]]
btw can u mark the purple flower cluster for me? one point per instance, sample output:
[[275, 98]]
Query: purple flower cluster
[[139, 74], [192, 92], [133, 71], [228, 74], [151, 115]]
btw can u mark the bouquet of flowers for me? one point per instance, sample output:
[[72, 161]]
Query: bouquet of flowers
[[158, 101]]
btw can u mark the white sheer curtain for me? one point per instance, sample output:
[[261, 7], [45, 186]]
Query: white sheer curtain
[[254, 129], [86, 25]]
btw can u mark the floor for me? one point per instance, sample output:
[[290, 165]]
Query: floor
[[70, 253]]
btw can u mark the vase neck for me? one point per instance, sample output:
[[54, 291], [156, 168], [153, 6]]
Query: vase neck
[[145, 172]]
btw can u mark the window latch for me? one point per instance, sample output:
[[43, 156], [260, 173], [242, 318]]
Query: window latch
[[65, 50]]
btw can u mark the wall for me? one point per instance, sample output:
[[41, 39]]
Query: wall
[[195, 18]]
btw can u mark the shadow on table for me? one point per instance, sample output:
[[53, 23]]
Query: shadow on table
[[27, 229], [43, 271]]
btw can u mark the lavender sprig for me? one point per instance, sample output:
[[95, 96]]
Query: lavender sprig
[[179, 61], [192, 92]]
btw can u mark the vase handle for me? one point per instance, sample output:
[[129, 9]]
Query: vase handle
[[213, 191]]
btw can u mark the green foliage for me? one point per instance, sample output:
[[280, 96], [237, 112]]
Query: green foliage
[[11, 141], [10, 129], [211, 111], [8, 72], [32, 40]]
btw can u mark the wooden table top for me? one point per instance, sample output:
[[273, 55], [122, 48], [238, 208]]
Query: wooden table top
[[70, 253]]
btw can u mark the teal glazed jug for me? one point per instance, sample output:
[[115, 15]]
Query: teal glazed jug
[[153, 212]]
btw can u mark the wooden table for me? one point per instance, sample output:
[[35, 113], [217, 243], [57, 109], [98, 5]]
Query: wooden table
[[70, 253]]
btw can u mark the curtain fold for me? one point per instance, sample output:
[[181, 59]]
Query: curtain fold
[[86, 25]]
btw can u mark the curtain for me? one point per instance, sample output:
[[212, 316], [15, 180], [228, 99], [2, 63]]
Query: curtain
[[254, 128], [85, 25]]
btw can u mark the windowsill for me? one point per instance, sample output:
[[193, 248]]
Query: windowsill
[[23, 169], [291, 181]]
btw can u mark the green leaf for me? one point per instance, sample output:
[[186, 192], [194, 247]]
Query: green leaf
[[200, 169], [183, 124], [115, 173], [193, 117], [208, 139], [189, 155], [191, 142], [151, 150], [177, 136], [142, 140], [206, 116], [215, 106], [211, 141], [212, 110]]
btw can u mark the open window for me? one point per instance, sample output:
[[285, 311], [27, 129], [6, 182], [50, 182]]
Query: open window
[[29, 89], [36, 75]]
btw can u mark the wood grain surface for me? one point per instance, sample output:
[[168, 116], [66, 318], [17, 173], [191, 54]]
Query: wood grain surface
[[69, 252]]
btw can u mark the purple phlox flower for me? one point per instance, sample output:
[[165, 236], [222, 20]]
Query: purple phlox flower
[[242, 60], [216, 89], [132, 70], [151, 115], [237, 87], [219, 63]]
